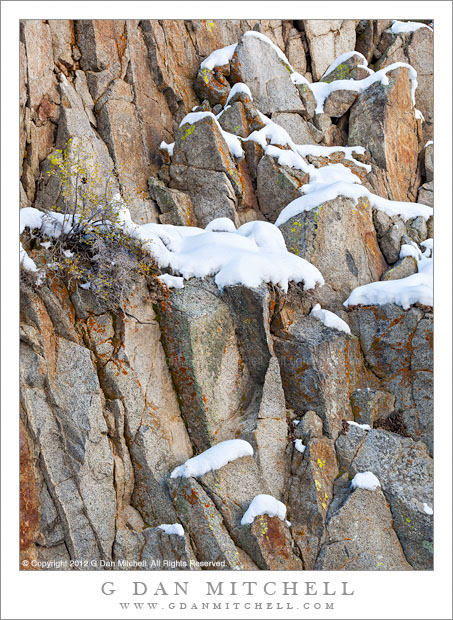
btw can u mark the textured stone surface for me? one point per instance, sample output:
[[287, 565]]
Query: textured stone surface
[[350, 69], [383, 120], [176, 207], [113, 401], [339, 102], [397, 346], [416, 49], [426, 194], [403, 268], [320, 368], [370, 405], [267, 540], [300, 131], [310, 494], [404, 470], [360, 536], [328, 39], [257, 64], [339, 238], [204, 524], [276, 186], [368, 35]]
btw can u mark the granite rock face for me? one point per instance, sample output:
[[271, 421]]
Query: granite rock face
[[389, 131], [113, 400], [339, 238]]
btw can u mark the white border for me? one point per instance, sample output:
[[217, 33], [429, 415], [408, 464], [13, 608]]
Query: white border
[[76, 595]]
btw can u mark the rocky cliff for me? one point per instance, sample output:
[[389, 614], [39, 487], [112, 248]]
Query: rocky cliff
[[310, 140]]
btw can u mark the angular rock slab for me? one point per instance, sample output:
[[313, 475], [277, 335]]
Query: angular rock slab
[[383, 121], [267, 472], [339, 238], [328, 39], [397, 345], [67, 426], [368, 405], [268, 542], [211, 193], [360, 536], [405, 471], [350, 69], [204, 524], [218, 348], [320, 368], [257, 64], [277, 186], [171, 551], [213, 86], [310, 494], [201, 145], [417, 49]]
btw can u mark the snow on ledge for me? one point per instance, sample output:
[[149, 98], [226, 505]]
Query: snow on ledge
[[264, 505], [322, 90], [400, 27], [252, 255], [174, 528], [172, 281], [299, 446], [365, 427], [233, 142], [213, 458], [164, 146], [219, 57], [417, 288], [315, 195], [365, 480], [329, 319], [239, 87], [343, 58]]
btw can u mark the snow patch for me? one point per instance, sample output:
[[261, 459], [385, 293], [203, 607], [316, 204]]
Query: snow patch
[[366, 427], [264, 505], [322, 90], [249, 256], [239, 87], [329, 319], [172, 281], [399, 27], [419, 116], [174, 528], [219, 58], [221, 224], [213, 458], [315, 195], [299, 446], [167, 147], [365, 480], [427, 509], [297, 78], [409, 250], [27, 263], [417, 288]]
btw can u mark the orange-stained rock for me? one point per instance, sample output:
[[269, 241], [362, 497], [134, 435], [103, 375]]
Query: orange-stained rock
[[268, 541], [29, 498], [383, 121], [310, 494]]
